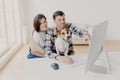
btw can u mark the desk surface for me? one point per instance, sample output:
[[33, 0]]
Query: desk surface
[[40, 69]]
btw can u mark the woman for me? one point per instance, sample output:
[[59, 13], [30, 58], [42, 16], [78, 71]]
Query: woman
[[37, 48], [38, 37]]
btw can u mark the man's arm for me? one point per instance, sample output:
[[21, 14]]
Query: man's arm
[[77, 30], [80, 32], [48, 50]]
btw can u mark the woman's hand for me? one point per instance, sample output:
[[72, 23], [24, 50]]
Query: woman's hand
[[65, 59]]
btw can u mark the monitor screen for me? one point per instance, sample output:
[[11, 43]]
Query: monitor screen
[[96, 46]]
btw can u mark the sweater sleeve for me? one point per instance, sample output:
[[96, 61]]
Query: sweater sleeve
[[35, 46], [49, 44], [77, 30]]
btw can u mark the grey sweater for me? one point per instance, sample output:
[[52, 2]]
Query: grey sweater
[[38, 41]]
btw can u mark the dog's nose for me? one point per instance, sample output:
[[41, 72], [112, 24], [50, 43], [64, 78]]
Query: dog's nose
[[68, 36]]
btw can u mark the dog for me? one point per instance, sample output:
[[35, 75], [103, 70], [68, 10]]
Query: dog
[[61, 43]]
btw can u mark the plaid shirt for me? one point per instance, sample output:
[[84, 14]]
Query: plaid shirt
[[51, 36]]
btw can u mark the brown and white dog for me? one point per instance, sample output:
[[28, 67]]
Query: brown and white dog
[[61, 42]]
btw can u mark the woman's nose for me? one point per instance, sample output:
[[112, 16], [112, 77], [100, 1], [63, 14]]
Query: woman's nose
[[44, 24]]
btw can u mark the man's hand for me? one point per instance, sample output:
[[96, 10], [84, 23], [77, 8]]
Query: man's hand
[[87, 38], [65, 59]]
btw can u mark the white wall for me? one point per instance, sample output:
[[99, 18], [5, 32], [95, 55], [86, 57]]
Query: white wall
[[78, 11], [24, 20], [106, 9]]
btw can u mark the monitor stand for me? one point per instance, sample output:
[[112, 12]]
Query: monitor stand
[[98, 68]]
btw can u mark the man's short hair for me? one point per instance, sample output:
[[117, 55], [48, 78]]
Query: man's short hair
[[58, 13]]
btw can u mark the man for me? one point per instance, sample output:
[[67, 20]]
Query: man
[[59, 19]]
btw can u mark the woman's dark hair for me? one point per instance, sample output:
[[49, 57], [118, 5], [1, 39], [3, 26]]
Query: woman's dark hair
[[36, 22], [58, 13]]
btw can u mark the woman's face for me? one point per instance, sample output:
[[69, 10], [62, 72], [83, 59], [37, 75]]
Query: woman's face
[[43, 25]]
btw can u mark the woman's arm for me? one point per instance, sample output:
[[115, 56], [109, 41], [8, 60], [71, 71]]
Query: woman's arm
[[38, 53], [35, 48]]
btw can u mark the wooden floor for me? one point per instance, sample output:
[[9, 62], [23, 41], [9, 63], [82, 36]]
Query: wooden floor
[[15, 68], [111, 46]]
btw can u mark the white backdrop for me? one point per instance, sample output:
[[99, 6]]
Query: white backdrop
[[77, 11]]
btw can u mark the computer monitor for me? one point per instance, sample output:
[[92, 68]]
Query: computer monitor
[[96, 48]]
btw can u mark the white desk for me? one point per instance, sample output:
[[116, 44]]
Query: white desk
[[40, 69]]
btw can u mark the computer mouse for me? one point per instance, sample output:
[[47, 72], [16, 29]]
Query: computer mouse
[[55, 66]]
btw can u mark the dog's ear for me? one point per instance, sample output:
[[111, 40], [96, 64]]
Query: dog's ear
[[58, 31], [67, 29]]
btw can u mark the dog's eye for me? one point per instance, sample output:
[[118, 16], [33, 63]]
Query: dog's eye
[[63, 33], [67, 32]]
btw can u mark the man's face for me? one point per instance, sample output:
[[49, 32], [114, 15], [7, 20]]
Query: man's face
[[60, 21]]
